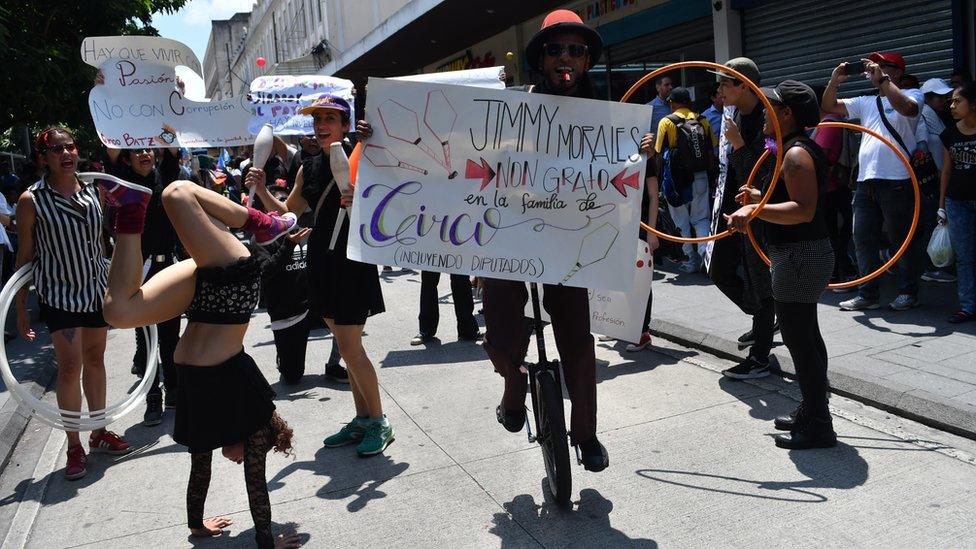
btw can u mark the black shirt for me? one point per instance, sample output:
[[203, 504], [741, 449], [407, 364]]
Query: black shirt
[[159, 237], [284, 279], [962, 150], [816, 228]]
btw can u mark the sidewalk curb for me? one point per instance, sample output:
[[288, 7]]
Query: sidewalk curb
[[914, 404], [14, 416]]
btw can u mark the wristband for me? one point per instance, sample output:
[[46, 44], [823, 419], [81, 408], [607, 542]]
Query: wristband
[[884, 79]]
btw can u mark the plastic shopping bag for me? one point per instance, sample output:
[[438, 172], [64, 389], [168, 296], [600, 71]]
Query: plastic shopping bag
[[940, 250]]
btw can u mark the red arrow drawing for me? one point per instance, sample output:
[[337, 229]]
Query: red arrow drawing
[[483, 172], [619, 181]]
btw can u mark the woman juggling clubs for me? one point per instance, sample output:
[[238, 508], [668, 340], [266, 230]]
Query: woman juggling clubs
[[223, 400], [59, 227], [344, 292], [802, 259]]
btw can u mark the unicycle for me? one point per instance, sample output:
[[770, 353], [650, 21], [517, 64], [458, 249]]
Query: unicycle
[[550, 420]]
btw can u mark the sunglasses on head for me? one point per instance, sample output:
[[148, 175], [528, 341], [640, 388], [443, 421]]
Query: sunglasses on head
[[555, 49], [58, 149]]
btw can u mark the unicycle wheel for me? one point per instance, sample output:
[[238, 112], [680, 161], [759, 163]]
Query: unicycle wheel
[[552, 437]]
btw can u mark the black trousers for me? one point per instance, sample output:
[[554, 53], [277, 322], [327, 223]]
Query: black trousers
[[801, 334], [840, 226], [291, 344], [507, 341], [742, 276], [467, 326], [169, 336]]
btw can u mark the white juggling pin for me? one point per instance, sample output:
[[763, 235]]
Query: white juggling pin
[[339, 163], [263, 144]]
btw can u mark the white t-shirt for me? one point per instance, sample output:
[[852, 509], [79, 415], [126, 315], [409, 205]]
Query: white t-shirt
[[930, 128], [877, 160]]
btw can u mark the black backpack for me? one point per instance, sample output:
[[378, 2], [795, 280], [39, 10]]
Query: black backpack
[[692, 152]]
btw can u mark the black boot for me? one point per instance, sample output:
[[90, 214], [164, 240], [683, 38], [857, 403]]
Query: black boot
[[810, 432], [595, 457], [154, 410], [788, 422]]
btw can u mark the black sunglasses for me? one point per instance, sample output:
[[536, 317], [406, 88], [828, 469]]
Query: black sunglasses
[[555, 49], [58, 149]]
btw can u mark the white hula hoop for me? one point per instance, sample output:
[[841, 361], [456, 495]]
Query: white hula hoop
[[50, 414]]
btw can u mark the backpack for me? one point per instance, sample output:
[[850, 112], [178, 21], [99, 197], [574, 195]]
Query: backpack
[[676, 193], [691, 153]]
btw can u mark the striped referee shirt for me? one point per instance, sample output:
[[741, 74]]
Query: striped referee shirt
[[70, 269]]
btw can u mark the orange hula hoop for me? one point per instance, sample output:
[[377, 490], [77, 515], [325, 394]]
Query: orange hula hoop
[[777, 132], [911, 230]]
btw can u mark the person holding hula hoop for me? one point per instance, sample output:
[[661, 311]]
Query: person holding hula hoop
[[344, 292], [802, 258], [60, 229], [223, 400]]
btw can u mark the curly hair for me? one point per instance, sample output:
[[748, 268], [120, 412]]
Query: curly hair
[[283, 435]]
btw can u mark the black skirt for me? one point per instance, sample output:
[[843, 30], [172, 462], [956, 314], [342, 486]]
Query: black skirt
[[221, 405], [344, 290]]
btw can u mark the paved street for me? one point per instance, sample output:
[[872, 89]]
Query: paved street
[[692, 460]]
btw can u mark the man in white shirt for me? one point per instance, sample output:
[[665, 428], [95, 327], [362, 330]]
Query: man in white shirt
[[884, 196]]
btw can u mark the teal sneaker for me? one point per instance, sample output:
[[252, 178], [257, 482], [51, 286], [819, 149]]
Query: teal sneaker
[[350, 432], [376, 439]]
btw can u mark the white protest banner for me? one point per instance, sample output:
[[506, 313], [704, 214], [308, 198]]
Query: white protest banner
[[486, 77], [139, 104], [499, 184], [619, 315], [276, 99]]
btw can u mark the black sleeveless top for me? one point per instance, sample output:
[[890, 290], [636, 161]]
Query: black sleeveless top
[[316, 177], [816, 228]]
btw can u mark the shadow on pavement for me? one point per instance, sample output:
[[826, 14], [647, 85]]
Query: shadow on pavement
[[839, 468], [246, 537], [588, 524], [433, 353], [759, 406], [348, 475]]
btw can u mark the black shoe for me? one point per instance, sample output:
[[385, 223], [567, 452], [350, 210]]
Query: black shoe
[[477, 336], [788, 422], [170, 400], [154, 411], [749, 338], [421, 339], [595, 457], [750, 368], [809, 433], [512, 421], [336, 373]]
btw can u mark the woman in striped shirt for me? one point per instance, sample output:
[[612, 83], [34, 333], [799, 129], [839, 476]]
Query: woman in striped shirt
[[59, 228]]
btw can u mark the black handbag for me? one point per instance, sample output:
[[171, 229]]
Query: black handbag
[[926, 172]]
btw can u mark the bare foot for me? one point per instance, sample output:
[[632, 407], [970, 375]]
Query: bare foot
[[212, 527], [290, 541]]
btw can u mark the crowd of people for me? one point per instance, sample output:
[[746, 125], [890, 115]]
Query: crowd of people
[[153, 240]]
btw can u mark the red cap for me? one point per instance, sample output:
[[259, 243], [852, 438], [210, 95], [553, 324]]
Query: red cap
[[568, 21], [892, 57]]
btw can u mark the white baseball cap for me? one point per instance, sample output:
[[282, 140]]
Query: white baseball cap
[[936, 86]]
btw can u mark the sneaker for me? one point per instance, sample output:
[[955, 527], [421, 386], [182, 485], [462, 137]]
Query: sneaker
[[377, 437], [961, 316], [858, 304], [903, 302], [938, 276], [644, 343], [749, 338], [421, 339], [108, 443], [350, 432], [274, 227], [154, 411], [750, 368], [335, 372], [605, 338], [75, 468], [594, 455], [118, 192]]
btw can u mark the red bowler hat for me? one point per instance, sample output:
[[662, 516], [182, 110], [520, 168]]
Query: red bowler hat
[[565, 21], [892, 57]]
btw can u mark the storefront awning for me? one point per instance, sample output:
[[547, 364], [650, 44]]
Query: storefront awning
[[450, 26]]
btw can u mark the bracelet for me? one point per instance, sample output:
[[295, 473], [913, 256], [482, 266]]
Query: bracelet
[[884, 79]]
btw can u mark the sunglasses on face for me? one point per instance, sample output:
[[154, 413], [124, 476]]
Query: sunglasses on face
[[555, 49], [58, 149]]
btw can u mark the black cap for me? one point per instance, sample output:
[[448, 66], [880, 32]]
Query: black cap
[[800, 98], [680, 95]]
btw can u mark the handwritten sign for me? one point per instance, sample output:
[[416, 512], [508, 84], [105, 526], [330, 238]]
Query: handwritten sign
[[276, 99], [499, 184], [139, 105]]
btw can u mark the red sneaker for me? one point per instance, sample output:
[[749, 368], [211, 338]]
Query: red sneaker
[[75, 469], [119, 192], [109, 443], [644, 343], [274, 226]]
